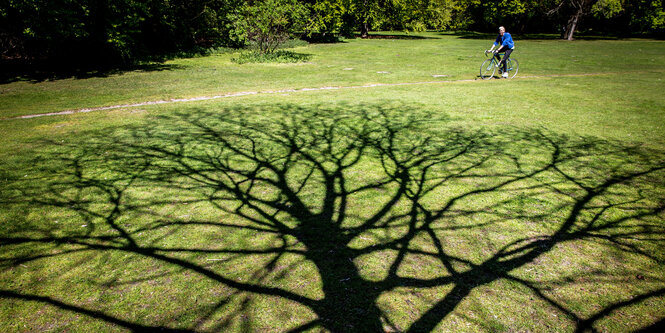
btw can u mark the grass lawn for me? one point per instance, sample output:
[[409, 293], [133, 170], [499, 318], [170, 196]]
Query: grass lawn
[[355, 62], [452, 204]]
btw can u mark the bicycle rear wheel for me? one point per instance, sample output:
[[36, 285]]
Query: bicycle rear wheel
[[513, 67], [487, 69]]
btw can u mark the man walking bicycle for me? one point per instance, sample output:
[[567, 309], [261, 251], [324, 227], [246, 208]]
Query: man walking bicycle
[[507, 45]]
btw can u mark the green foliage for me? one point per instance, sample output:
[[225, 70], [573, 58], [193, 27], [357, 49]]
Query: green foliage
[[328, 16], [418, 15], [347, 16], [280, 56], [647, 15], [108, 31], [269, 23], [658, 20], [607, 8], [488, 15]]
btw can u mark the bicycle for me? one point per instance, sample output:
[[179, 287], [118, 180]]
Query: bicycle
[[489, 66]]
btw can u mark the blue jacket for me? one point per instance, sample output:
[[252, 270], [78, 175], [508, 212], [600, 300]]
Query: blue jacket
[[505, 40]]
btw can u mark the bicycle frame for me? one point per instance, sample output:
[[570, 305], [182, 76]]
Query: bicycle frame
[[489, 66]]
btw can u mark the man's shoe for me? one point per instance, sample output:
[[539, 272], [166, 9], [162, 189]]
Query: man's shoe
[[505, 75]]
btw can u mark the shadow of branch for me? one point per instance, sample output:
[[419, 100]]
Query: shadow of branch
[[328, 188]]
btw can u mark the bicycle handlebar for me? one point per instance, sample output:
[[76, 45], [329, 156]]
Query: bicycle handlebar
[[492, 52]]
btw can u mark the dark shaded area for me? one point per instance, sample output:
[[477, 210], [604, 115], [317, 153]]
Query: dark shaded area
[[474, 35], [394, 36], [303, 178], [529, 36], [657, 327], [58, 38], [637, 18], [322, 38], [12, 71], [7, 294], [587, 324]]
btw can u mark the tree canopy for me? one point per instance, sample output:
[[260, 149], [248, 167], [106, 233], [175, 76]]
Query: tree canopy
[[122, 31]]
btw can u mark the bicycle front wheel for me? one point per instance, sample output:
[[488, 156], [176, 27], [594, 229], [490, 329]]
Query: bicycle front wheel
[[513, 67], [487, 69]]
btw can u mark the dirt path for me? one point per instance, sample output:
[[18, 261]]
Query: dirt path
[[267, 92]]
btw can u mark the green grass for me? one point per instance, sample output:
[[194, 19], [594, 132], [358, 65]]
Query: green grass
[[354, 62], [533, 204], [279, 57]]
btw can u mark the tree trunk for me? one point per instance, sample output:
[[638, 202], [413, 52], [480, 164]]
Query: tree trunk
[[364, 26], [573, 22], [349, 303], [364, 30]]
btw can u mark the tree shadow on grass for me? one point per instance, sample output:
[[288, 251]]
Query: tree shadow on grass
[[323, 38], [35, 73], [346, 219], [395, 36]]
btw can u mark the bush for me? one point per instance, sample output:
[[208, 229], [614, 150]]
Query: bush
[[280, 56], [269, 23]]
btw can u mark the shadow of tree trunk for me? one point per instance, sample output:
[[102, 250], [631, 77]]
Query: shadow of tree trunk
[[332, 187]]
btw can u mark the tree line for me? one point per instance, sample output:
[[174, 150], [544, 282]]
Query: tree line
[[123, 31]]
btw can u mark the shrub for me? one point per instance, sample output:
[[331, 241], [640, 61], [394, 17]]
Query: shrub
[[280, 56], [269, 23]]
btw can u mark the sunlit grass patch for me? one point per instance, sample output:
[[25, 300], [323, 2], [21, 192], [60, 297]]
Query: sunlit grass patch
[[423, 208]]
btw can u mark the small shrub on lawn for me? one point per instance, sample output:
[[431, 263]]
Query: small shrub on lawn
[[280, 56]]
